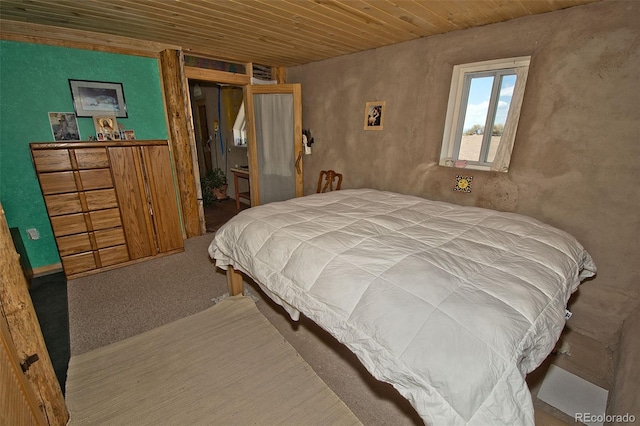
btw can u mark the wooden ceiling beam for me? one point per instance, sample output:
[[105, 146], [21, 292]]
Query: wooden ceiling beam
[[47, 34]]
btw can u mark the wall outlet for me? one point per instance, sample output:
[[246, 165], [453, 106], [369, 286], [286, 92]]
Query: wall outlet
[[33, 234]]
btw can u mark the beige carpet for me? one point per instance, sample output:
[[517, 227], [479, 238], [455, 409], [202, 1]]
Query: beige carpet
[[226, 365]]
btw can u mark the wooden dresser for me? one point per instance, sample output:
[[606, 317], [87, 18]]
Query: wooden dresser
[[110, 203]]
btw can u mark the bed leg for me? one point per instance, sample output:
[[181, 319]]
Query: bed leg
[[234, 281]]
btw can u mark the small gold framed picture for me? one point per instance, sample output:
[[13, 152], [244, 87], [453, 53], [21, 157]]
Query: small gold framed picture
[[107, 125], [374, 115]]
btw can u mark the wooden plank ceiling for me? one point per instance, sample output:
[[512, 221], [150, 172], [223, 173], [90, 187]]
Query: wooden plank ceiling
[[272, 32]]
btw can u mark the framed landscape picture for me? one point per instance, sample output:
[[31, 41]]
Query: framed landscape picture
[[92, 98]]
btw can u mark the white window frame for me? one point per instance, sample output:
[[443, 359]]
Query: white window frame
[[453, 121]]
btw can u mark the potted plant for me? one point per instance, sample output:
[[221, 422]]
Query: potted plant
[[214, 186]]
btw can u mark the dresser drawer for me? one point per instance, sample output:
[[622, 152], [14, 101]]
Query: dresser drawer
[[113, 255], [92, 158], [54, 183], [51, 160], [63, 204], [101, 199], [103, 219], [109, 237], [68, 224], [77, 263], [73, 244], [96, 179]]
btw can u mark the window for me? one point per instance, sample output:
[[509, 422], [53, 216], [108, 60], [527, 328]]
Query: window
[[483, 113], [240, 128]]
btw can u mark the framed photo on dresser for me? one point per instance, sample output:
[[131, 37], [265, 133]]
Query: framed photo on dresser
[[64, 126], [107, 126]]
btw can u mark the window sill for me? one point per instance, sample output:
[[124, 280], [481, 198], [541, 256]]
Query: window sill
[[468, 167]]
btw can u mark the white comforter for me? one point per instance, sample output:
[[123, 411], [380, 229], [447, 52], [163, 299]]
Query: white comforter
[[452, 305]]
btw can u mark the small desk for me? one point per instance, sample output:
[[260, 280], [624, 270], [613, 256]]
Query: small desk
[[243, 174]]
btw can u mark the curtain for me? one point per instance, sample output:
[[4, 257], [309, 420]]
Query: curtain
[[274, 121], [503, 154]]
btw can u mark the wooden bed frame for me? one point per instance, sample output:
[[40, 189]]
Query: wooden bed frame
[[234, 281]]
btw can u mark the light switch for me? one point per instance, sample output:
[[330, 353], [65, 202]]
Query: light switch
[[33, 234]]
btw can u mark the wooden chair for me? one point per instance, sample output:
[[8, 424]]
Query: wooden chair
[[326, 180]]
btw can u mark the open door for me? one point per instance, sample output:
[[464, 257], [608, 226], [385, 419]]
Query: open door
[[29, 390], [20, 404], [274, 124]]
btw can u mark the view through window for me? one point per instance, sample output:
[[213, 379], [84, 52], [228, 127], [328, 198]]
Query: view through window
[[483, 111]]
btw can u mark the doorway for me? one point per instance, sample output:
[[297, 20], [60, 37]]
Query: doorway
[[215, 107], [239, 160]]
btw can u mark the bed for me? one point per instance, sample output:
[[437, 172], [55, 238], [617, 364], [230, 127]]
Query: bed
[[452, 305]]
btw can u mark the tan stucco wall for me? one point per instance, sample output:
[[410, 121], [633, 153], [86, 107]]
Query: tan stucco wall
[[625, 398], [576, 158]]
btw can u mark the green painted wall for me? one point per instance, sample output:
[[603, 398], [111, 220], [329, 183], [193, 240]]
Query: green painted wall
[[34, 82]]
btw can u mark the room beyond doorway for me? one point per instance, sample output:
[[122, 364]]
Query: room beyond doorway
[[215, 107], [219, 213]]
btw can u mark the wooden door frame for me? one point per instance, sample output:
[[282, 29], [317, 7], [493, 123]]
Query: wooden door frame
[[221, 77]]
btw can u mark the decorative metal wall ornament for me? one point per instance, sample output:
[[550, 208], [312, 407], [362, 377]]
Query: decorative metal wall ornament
[[463, 183]]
